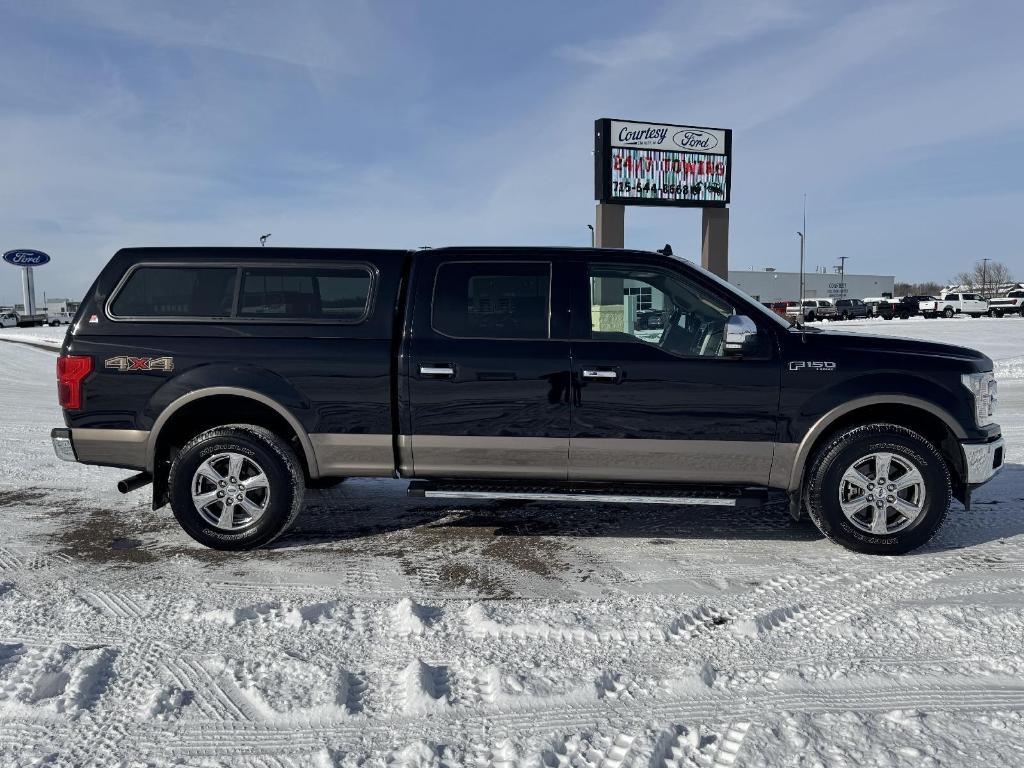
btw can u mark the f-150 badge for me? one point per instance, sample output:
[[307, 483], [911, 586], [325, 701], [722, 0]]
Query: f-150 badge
[[812, 365], [139, 363]]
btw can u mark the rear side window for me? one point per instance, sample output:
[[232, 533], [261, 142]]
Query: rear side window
[[296, 293], [202, 292], [492, 301]]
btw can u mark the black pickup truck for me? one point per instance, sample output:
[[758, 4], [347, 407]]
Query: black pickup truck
[[234, 378]]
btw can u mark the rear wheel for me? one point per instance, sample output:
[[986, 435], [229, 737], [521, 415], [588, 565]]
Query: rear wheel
[[879, 489], [236, 487], [948, 312]]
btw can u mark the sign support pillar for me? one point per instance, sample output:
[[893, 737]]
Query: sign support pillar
[[28, 290], [714, 245], [611, 226]]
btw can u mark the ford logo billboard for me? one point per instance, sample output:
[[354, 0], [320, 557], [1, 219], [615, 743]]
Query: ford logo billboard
[[691, 138], [24, 257]]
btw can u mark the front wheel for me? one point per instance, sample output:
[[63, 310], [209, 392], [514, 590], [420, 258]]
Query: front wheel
[[236, 487], [995, 313], [880, 489]]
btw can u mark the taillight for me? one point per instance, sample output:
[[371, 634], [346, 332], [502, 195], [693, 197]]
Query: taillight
[[71, 370]]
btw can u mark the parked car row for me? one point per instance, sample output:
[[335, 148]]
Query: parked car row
[[949, 305]]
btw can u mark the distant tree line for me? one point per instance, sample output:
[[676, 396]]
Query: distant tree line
[[917, 289], [987, 278]]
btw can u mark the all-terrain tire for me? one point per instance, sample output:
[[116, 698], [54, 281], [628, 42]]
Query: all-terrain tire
[[835, 458], [267, 451]]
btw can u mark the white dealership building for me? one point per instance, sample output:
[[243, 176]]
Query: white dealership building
[[771, 285]]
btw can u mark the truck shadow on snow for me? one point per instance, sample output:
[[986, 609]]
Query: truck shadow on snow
[[366, 508], [377, 517]]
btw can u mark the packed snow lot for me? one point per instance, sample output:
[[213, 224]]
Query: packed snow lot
[[393, 631]]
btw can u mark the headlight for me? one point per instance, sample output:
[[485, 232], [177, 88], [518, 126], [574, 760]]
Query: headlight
[[983, 387]]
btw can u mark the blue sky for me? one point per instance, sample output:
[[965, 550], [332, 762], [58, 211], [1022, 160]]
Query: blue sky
[[401, 124]]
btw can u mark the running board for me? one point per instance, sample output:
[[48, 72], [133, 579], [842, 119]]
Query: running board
[[702, 497]]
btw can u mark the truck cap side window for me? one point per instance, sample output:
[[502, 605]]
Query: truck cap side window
[[341, 294], [481, 300], [179, 291], [638, 303]]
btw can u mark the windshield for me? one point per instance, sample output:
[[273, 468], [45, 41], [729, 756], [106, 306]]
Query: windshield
[[754, 303]]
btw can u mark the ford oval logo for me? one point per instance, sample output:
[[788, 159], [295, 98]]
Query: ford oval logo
[[691, 138], [24, 257]]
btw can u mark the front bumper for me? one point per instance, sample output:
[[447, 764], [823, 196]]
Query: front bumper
[[982, 460]]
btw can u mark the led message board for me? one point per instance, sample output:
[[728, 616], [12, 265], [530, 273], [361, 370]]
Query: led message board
[[661, 164]]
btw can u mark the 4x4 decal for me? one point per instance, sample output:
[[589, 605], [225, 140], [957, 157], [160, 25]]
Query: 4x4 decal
[[125, 363]]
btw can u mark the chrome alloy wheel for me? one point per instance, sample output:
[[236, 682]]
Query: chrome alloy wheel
[[230, 491], [882, 493]]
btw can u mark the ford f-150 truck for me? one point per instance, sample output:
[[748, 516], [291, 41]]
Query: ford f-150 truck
[[1008, 304], [950, 304], [234, 378]]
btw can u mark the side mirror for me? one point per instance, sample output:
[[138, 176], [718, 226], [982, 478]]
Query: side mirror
[[740, 335]]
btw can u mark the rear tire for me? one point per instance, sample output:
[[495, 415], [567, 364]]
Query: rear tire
[[948, 312], [843, 493], [250, 466]]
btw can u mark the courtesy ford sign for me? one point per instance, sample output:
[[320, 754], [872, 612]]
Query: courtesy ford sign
[[684, 166], [25, 257]]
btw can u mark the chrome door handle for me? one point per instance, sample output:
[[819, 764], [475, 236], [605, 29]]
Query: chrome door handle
[[437, 370], [589, 373]]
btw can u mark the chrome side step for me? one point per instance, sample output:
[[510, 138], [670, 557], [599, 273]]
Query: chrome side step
[[596, 493], [606, 498]]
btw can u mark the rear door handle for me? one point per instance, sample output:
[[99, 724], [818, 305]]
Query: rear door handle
[[437, 371], [592, 373]]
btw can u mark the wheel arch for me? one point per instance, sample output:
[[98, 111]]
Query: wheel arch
[[230, 404], [914, 413]]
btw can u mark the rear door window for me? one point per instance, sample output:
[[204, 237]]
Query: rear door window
[[480, 300], [176, 291]]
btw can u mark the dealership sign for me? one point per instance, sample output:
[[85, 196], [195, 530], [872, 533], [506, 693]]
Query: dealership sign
[[662, 164], [25, 257]]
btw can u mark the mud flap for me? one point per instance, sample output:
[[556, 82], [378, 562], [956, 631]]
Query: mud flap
[[796, 505], [161, 493]]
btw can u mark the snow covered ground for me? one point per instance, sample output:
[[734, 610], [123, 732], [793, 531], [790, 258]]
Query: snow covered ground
[[393, 631]]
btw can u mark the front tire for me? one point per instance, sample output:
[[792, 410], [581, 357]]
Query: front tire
[[879, 489], [236, 487]]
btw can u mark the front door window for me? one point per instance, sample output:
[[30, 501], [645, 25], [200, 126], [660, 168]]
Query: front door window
[[652, 306]]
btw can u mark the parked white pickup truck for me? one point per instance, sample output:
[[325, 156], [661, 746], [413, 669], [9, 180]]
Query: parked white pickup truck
[[1011, 303], [950, 304]]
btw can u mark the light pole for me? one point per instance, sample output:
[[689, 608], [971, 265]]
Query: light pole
[[984, 276], [264, 238], [842, 275], [801, 236]]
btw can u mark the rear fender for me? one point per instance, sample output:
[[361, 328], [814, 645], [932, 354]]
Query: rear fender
[[250, 382]]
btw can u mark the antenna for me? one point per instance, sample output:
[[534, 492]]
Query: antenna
[[264, 238]]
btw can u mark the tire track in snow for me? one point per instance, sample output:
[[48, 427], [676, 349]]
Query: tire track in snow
[[214, 739]]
